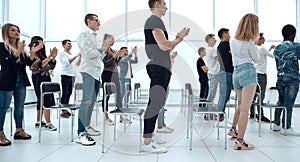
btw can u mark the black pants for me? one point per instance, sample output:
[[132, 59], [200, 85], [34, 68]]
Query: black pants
[[262, 81], [67, 83], [109, 76], [160, 78], [203, 90], [37, 80]]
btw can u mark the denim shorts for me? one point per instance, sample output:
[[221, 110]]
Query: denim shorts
[[244, 75]]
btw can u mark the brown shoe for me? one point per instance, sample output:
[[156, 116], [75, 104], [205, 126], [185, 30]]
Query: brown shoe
[[221, 119], [4, 141], [22, 135]]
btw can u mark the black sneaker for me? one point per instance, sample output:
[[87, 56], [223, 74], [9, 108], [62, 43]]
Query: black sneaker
[[64, 115], [251, 116], [265, 119], [37, 124]]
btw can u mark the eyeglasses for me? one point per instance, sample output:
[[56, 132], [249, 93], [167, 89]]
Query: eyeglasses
[[97, 20]]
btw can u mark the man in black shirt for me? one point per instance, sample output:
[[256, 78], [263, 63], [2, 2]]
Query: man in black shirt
[[226, 69], [202, 72], [158, 49]]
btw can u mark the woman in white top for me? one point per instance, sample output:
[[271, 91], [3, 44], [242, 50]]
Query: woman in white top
[[244, 53]]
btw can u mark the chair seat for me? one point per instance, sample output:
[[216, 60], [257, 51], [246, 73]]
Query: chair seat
[[208, 109], [64, 106], [127, 111], [270, 105]]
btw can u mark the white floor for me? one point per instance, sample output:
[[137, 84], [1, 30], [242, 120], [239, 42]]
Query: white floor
[[271, 146]]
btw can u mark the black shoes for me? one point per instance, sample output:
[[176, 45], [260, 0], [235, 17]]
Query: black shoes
[[263, 118]]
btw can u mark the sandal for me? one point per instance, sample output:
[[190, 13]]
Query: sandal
[[4, 141], [22, 135], [243, 146], [233, 133]]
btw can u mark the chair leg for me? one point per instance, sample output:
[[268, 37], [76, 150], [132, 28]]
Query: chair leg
[[11, 117], [191, 129], [72, 124], [141, 134], [285, 120], [40, 125], [225, 130], [103, 138], [115, 125]]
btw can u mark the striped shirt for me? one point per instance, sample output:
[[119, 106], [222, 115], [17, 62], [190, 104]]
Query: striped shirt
[[244, 52]]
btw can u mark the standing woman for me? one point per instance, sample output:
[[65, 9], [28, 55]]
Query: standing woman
[[244, 53], [110, 74], [40, 73], [13, 79]]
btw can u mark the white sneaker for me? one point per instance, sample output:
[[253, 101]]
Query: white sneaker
[[50, 127], [84, 139], [158, 139], [276, 128], [163, 130], [290, 132], [172, 129], [153, 147], [92, 131], [109, 122]]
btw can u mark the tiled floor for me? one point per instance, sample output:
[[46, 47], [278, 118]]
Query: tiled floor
[[272, 146]]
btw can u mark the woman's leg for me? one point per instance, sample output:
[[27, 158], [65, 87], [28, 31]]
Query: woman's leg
[[247, 92]]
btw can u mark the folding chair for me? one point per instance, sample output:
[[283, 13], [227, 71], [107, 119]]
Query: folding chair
[[110, 91], [271, 106], [78, 97], [54, 88], [193, 108]]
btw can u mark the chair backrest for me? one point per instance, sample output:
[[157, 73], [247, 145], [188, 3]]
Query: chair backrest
[[188, 87], [109, 89], [77, 91], [49, 88]]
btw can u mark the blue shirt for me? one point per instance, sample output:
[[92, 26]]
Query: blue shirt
[[287, 54]]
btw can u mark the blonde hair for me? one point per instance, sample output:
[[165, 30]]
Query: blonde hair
[[10, 46], [248, 28]]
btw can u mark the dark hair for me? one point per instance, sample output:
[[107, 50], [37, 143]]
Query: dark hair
[[89, 17], [34, 42], [288, 31], [64, 42], [222, 31], [152, 2], [201, 49], [123, 48]]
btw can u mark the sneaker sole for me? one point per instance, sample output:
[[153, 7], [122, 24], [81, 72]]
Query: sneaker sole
[[86, 144]]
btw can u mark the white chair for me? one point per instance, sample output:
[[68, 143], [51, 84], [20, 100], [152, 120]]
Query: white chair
[[109, 89], [193, 108]]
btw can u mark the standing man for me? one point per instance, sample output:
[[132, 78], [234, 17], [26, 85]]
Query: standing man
[[226, 69], [91, 62], [287, 54], [158, 49], [213, 66], [261, 70], [125, 69], [68, 74]]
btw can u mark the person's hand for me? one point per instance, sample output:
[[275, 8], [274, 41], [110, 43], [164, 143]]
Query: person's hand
[[53, 52], [134, 50], [174, 54], [184, 32], [34, 49], [272, 47], [108, 43]]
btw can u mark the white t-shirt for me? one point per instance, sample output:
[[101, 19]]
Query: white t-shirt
[[244, 52], [212, 63], [261, 66], [67, 67]]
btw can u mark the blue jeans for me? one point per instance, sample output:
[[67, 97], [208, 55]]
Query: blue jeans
[[19, 94], [225, 80], [287, 92], [213, 85], [90, 90], [123, 82]]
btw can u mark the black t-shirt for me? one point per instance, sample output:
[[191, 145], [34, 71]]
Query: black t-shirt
[[225, 57], [154, 53], [201, 73]]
